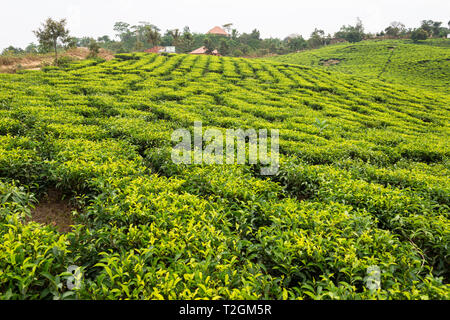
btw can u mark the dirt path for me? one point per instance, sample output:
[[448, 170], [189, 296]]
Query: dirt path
[[388, 62], [36, 62]]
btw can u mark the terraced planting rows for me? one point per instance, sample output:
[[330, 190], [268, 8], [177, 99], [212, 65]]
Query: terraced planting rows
[[425, 65], [363, 182]]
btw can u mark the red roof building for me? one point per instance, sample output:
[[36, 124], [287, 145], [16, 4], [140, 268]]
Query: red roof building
[[218, 31], [203, 50], [156, 49]]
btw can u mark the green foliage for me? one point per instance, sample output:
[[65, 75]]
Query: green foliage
[[51, 32], [94, 49], [424, 65], [363, 182], [64, 61], [419, 34], [351, 33]]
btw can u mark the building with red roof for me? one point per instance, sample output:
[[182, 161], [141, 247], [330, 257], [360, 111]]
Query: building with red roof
[[203, 50], [218, 31]]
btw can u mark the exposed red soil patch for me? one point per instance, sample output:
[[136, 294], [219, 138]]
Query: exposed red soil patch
[[83, 52], [55, 211], [36, 61]]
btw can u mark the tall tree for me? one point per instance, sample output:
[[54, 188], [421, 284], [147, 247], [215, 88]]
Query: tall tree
[[437, 28], [94, 49], [126, 36], [152, 36], [432, 27], [419, 34], [186, 42], [317, 38], [176, 35], [51, 33], [104, 39], [395, 29], [256, 34], [295, 42], [227, 27], [351, 33], [209, 45], [224, 48], [234, 34]]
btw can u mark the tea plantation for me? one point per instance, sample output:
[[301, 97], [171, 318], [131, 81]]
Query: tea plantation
[[425, 64], [363, 182]]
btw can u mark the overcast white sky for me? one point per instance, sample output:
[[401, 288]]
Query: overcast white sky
[[276, 18]]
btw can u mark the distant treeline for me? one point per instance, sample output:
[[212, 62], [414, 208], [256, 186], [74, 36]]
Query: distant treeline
[[130, 38]]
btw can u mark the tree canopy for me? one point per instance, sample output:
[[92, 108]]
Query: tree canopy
[[51, 33]]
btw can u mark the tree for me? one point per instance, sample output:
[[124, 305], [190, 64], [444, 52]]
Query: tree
[[71, 42], [224, 48], [251, 40], [395, 29], [351, 33], [126, 36], [152, 36], [255, 34], [209, 45], [437, 28], [51, 32], [234, 34], [227, 27], [31, 48], [419, 34], [141, 34], [317, 38], [84, 41], [176, 36], [11, 50], [94, 49], [295, 42], [186, 41], [104, 39], [427, 26], [432, 27]]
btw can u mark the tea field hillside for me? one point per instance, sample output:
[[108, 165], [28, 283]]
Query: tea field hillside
[[363, 182], [425, 64]]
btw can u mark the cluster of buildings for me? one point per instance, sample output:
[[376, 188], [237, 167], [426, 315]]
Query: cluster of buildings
[[202, 50]]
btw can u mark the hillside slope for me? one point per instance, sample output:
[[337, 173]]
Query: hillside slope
[[367, 188], [14, 63], [425, 64]]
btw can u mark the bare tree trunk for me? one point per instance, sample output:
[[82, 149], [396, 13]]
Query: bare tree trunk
[[56, 52]]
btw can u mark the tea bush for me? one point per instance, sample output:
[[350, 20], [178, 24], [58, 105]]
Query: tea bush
[[363, 182]]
